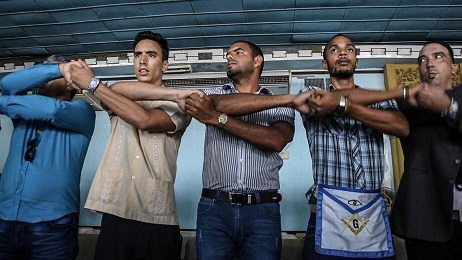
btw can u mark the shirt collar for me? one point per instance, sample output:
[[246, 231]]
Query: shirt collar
[[332, 87], [261, 90]]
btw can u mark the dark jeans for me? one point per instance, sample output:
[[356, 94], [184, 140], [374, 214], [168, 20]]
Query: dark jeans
[[423, 250], [309, 251], [122, 238], [56, 239], [226, 231]]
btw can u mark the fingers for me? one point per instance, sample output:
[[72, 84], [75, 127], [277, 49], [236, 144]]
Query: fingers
[[72, 85], [198, 92], [83, 63]]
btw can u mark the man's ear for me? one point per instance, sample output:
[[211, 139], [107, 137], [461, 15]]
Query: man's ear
[[165, 66], [257, 61], [454, 69], [324, 64]]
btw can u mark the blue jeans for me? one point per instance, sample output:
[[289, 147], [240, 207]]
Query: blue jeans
[[226, 231], [56, 239], [309, 250]]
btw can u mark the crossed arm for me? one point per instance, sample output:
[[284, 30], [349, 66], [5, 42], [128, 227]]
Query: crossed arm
[[272, 138], [155, 120], [323, 103]]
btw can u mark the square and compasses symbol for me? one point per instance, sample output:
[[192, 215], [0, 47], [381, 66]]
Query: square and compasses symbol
[[355, 224]]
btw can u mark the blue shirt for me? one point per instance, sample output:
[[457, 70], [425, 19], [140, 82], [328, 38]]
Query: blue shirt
[[233, 164], [47, 188], [345, 152]]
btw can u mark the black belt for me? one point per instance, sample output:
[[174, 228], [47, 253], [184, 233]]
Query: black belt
[[457, 215], [242, 198]]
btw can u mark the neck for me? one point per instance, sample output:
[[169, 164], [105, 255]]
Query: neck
[[343, 83], [247, 85], [156, 83]]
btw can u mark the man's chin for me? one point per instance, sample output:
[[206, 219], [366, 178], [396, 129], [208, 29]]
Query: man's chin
[[343, 74], [143, 78]]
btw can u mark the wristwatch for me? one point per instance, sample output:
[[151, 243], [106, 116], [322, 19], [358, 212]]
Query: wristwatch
[[93, 85], [222, 119]]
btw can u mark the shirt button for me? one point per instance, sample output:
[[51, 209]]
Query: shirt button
[[133, 177], [457, 161], [137, 157]]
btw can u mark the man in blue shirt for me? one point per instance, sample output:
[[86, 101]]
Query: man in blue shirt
[[39, 186]]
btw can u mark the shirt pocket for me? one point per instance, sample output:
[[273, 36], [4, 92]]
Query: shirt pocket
[[333, 125], [108, 186], [159, 197]]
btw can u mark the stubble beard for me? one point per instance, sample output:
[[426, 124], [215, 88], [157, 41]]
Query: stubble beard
[[342, 73], [232, 73]]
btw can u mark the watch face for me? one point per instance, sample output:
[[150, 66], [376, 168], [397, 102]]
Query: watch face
[[93, 82], [222, 119]]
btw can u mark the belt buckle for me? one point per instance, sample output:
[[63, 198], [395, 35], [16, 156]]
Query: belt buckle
[[240, 197]]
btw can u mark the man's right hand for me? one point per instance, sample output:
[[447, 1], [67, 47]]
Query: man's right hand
[[183, 94], [65, 69], [412, 92], [202, 109], [323, 103], [80, 74]]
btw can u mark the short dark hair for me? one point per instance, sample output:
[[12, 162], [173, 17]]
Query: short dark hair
[[156, 37], [57, 59], [444, 44], [256, 51], [324, 52]]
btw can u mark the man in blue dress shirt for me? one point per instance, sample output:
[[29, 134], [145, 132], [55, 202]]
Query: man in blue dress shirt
[[39, 186]]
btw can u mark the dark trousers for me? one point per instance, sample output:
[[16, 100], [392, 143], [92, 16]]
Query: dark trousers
[[423, 250], [129, 239], [56, 239]]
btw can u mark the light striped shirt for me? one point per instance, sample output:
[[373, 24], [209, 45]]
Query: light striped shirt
[[344, 151], [232, 164]]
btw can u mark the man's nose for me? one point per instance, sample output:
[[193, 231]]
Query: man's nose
[[430, 63], [143, 59], [229, 57]]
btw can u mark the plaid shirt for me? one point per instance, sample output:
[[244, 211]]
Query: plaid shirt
[[344, 151]]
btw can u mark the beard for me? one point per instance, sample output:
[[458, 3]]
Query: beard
[[233, 73], [342, 73]]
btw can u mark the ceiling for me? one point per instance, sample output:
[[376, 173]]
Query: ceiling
[[33, 29]]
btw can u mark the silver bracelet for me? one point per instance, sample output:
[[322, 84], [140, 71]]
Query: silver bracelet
[[405, 93], [341, 106], [453, 110]]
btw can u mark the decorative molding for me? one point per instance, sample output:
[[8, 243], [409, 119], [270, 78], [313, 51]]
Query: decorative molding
[[219, 55]]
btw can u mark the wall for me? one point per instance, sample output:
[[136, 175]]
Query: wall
[[295, 175]]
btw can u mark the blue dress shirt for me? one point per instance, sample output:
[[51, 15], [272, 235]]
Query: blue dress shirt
[[48, 187]]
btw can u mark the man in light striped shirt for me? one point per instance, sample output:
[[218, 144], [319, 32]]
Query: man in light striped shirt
[[238, 214]]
